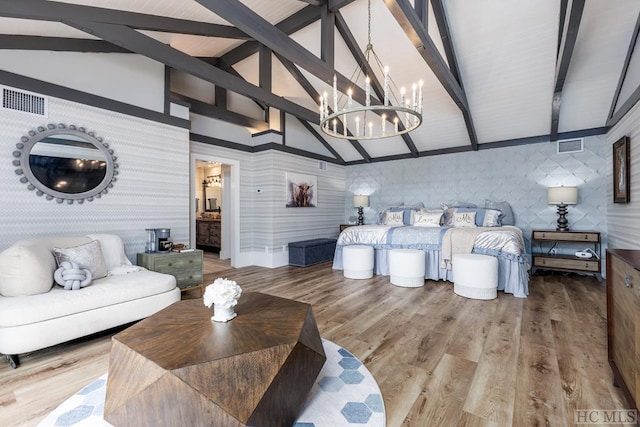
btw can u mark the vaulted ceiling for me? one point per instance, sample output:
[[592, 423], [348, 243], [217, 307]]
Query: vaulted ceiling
[[495, 72]]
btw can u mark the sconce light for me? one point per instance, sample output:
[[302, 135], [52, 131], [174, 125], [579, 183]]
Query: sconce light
[[562, 196], [360, 202]]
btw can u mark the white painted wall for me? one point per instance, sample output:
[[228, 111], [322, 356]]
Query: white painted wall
[[152, 189], [623, 220], [128, 78]]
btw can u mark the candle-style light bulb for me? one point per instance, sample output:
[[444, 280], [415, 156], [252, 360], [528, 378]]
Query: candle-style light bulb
[[413, 96], [420, 84], [357, 126], [367, 88], [395, 122], [335, 93], [321, 108], [326, 104], [370, 129], [386, 85], [383, 119], [334, 125], [350, 101]]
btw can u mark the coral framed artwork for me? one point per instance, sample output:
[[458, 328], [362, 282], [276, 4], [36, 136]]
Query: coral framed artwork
[[621, 173], [302, 190]]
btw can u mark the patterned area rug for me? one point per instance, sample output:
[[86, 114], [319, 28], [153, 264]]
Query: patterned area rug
[[345, 393]]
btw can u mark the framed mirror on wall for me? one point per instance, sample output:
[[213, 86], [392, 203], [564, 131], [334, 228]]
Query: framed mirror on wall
[[65, 163], [212, 194]]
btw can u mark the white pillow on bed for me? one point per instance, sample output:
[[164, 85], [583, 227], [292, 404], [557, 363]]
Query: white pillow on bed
[[393, 218], [427, 219], [464, 219]]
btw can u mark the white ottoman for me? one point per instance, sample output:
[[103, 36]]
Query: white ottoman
[[357, 261], [407, 267], [475, 276]]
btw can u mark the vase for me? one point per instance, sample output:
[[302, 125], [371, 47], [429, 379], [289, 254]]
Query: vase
[[222, 313]]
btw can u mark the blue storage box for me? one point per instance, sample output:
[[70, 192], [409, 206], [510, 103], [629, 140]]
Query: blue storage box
[[309, 252]]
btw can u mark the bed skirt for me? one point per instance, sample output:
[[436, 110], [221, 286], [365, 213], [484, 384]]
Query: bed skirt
[[513, 275]]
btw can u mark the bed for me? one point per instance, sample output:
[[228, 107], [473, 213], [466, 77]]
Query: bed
[[506, 243]]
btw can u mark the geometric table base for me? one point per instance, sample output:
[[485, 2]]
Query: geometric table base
[[178, 367]]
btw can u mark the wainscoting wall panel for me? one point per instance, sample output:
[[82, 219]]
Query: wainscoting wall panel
[[519, 175], [152, 187], [623, 224]]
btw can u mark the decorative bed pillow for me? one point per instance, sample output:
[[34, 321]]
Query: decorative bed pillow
[[427, 219], [408, 212], [507, 213], [394, 218], [464, 219], [483, 217], [87, 256]]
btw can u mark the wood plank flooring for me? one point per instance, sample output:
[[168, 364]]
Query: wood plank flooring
[[439, 359]]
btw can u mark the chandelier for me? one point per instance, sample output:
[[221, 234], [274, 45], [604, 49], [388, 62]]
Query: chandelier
[[394, 116], [213, 181]]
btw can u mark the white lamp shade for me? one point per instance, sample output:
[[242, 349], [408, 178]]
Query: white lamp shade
[[359, 200], [562, 195]]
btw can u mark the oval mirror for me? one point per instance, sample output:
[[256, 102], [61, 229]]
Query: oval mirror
[[65, 163]]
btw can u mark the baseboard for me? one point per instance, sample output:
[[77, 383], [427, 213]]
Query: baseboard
[[263, 259]]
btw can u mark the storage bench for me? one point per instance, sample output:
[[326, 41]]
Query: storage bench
[[309, 252]]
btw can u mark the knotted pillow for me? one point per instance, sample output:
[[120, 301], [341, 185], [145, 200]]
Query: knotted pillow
[[72, 277]]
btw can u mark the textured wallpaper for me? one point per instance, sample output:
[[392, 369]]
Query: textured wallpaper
[[519, 175], [152, 189]]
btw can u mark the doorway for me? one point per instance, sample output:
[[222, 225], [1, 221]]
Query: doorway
[[214, 224]]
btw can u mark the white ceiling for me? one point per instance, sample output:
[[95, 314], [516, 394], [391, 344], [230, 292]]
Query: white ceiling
[[506, 52]]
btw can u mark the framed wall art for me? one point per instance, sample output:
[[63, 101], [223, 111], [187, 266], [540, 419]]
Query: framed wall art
[[621, 173], [302, 190]]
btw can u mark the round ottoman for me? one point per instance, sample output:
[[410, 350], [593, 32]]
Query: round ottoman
[[357, 261], [407, 267], [475, 276]]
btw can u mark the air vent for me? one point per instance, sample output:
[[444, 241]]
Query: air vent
[[24, 102], [322, 165], [570, 146]]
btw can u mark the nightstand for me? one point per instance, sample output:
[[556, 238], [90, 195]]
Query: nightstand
[[545, 258], [186, 267], [344, 226]]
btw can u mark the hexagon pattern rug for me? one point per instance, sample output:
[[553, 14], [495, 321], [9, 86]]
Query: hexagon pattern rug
[[345, 393]]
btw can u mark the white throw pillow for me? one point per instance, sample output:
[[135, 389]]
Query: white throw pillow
[[112, 250], [87, 256], [427, 219], [464, 219], [394, 218]]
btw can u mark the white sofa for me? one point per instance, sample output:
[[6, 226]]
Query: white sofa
[[36, 313]]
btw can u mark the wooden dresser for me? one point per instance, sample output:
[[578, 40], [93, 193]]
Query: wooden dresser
[[208, 234], [623, 320]]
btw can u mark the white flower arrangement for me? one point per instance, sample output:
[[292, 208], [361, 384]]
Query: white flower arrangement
[[222, 292]]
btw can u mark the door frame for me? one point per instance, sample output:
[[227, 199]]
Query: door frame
[[230, 222]]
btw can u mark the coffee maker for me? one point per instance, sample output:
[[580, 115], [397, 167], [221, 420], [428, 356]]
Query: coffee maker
[[158, 240]]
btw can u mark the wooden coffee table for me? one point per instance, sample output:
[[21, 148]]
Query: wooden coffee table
[[178, 367]]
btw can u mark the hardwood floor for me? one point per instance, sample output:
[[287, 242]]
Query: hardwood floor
[[439, 359]]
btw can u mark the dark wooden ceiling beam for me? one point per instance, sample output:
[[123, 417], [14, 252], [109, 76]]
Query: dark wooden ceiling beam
[[625, 67], [265, 73], [564, 59], [317, 136], [290, 25], [327, 36], [315, 2], [221, 113], [410, 22], [55, 11], [57, 44], [445, 35], [135, 41], [422, 10], [358, 55], [335, 5], [313, 93], [247, 20]]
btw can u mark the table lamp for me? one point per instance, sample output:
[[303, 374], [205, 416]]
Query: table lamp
[[360, 202], [562, 196]]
